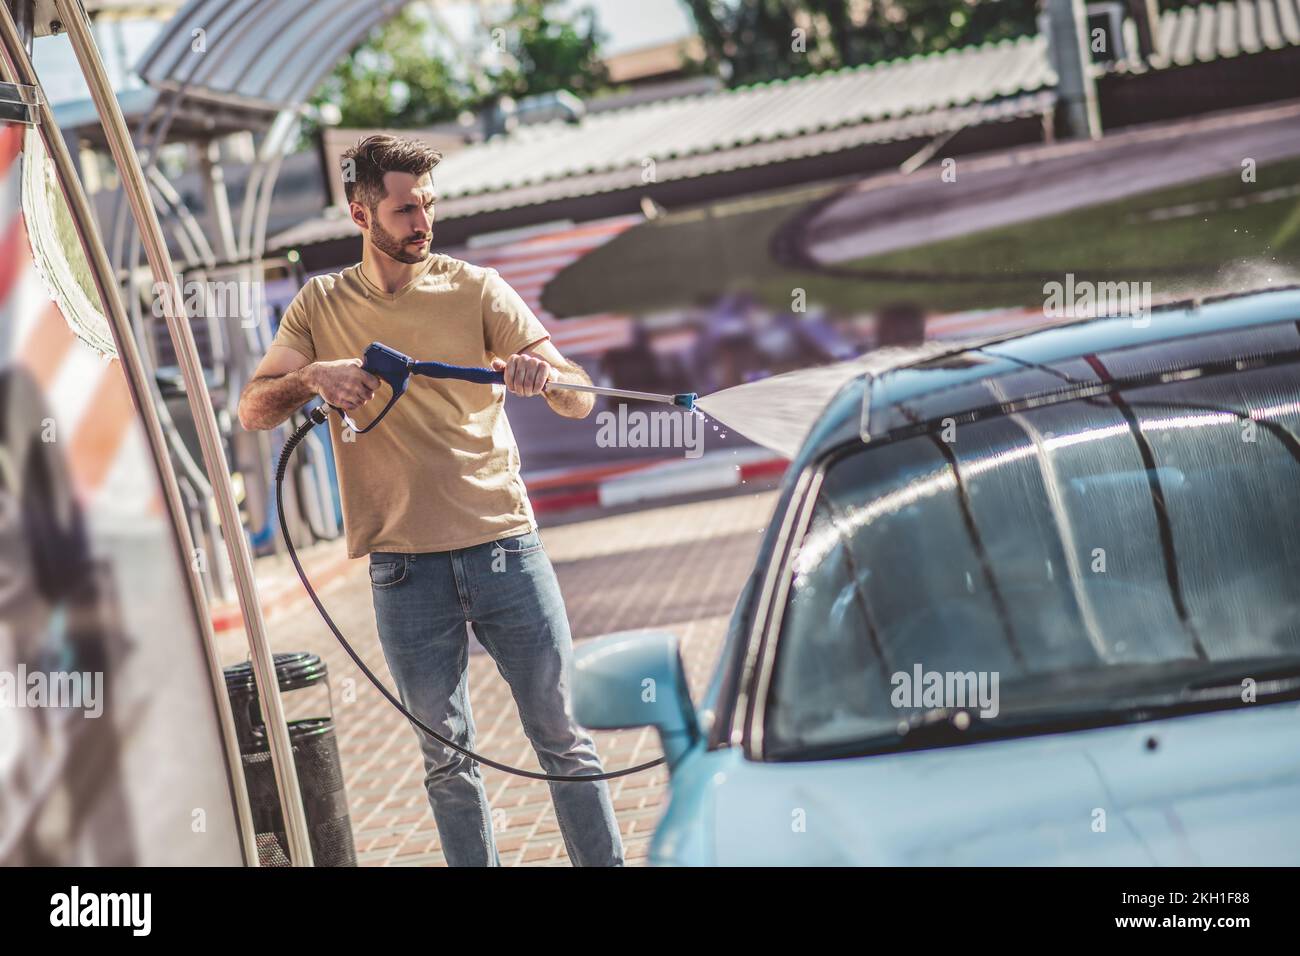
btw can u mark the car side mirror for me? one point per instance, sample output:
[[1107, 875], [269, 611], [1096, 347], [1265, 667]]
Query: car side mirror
[[636, 679]]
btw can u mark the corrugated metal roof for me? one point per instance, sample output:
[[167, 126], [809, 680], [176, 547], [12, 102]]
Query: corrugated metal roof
[[454, 203], [258, 53], [752, 115], [774, 122], [1213, 31]]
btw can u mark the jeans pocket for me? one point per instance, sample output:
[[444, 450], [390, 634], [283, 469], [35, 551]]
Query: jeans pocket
[[388, 570], [519, 544]]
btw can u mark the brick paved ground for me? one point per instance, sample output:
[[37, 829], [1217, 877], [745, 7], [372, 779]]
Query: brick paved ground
[[676, 566]]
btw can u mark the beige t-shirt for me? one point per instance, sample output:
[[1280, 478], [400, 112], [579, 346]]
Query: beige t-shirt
[[441, 471]]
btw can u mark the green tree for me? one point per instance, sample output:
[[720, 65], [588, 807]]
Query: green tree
[[749, 41], [552, 53], [398, 79], [394, 79]]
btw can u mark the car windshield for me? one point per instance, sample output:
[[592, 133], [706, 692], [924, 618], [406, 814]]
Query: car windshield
[[1099, 559]]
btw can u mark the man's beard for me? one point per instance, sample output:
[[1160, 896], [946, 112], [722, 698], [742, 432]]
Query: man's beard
[[395, 248]]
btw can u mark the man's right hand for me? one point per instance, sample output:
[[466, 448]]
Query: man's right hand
[[343, 383], [287, 379]]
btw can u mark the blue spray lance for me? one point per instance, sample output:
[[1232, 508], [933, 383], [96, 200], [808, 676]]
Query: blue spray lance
[[396, 369]]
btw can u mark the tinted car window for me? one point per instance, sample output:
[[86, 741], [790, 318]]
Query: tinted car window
[[1096, 556]]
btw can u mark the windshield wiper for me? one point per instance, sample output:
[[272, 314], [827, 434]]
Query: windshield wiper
[[940, 727], [1266, 670], [1203, 689]]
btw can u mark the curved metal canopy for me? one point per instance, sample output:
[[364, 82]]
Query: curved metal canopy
[[257, 54]]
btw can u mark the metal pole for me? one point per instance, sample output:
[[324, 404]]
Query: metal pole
[[1067, 30], [617, 392], [196, 388], [24, 12], [208, 154], [17, 68]]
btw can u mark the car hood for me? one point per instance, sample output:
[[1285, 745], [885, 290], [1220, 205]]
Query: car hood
[[1220, 788]]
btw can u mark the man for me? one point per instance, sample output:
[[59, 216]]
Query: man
[[433, 495]]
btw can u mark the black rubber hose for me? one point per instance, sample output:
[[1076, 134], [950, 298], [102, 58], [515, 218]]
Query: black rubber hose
[[318, 416]]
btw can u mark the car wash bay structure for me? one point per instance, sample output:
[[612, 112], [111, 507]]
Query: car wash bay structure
[[222, 74], [111, 583]]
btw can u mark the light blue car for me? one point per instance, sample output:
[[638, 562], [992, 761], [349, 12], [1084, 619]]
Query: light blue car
[[1035, 602]]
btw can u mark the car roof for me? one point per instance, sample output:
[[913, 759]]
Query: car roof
[[1059, 359]]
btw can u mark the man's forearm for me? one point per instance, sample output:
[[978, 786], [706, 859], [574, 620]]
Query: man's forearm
[[269, 399], [567, 402]]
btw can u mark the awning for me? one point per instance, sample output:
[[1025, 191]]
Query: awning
[[255, 54]]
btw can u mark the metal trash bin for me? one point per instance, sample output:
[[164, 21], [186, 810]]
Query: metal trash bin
[[304, 687]]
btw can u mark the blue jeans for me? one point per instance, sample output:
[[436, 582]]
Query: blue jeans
[[508, 590]]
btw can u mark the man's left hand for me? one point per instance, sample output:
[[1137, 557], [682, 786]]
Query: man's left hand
[[526, 375]]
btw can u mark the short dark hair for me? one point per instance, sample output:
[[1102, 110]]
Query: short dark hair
[[378, 154]]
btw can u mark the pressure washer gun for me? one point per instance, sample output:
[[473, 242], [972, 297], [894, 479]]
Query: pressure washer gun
[[391, 366]]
